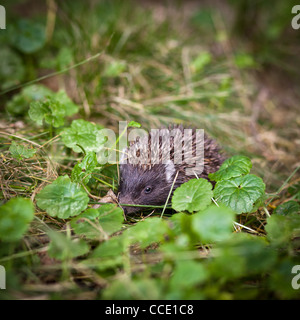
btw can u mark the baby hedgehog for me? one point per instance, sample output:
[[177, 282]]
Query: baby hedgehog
[[150, 164]]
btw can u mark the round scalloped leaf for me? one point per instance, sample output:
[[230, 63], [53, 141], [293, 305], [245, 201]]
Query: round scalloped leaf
[[214, 223], [233, 167], [241, 193], [28, 36], [146, 232], [193, 195], [15, 217], [63, 198], [12, 69], [85, 134]]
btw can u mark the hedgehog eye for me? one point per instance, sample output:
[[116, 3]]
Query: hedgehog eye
[[148, 190]]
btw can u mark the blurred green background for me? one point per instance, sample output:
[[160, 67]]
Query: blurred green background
[[230, 67]]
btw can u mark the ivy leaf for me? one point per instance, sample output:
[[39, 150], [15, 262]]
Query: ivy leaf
[[233, 167], [213, 224], [82, 171], [19, 151], [15, 217], [85, 134], [287, 208], [62, 198], [193, 195], [241, 193], [98, 223], [62, 248]]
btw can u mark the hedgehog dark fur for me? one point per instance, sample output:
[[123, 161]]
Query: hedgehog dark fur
[[150, 184]]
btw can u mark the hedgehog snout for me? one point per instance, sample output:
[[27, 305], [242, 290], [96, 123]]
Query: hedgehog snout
[[126, 199]]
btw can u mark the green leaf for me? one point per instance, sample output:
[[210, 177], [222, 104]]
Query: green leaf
[[193, 195], [287, 208], [37, 111], [281, 229], [241, 193], [19, 151], [99, 223], [69, 106], [233, 167], [294, 190], [15, 217], [53, 110], [84, 133], [133, 289], [146, 232], [241, 255], [134, 124], [82, 171], [280, 280], [113, 247], [62, 198], [56, 116], [214, 223], [62, 248], [200, 62], [28, 36], [12, 70], [182, 228], [64, 58], [244, 60], [187, 274], [21, 101], [114, 69]]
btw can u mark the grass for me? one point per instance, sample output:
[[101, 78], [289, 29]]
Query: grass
[[155, 63]]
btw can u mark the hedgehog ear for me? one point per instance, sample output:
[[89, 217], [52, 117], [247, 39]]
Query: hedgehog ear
[[170, 170]]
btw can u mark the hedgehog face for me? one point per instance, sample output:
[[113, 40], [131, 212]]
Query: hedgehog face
[[144, 186]]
